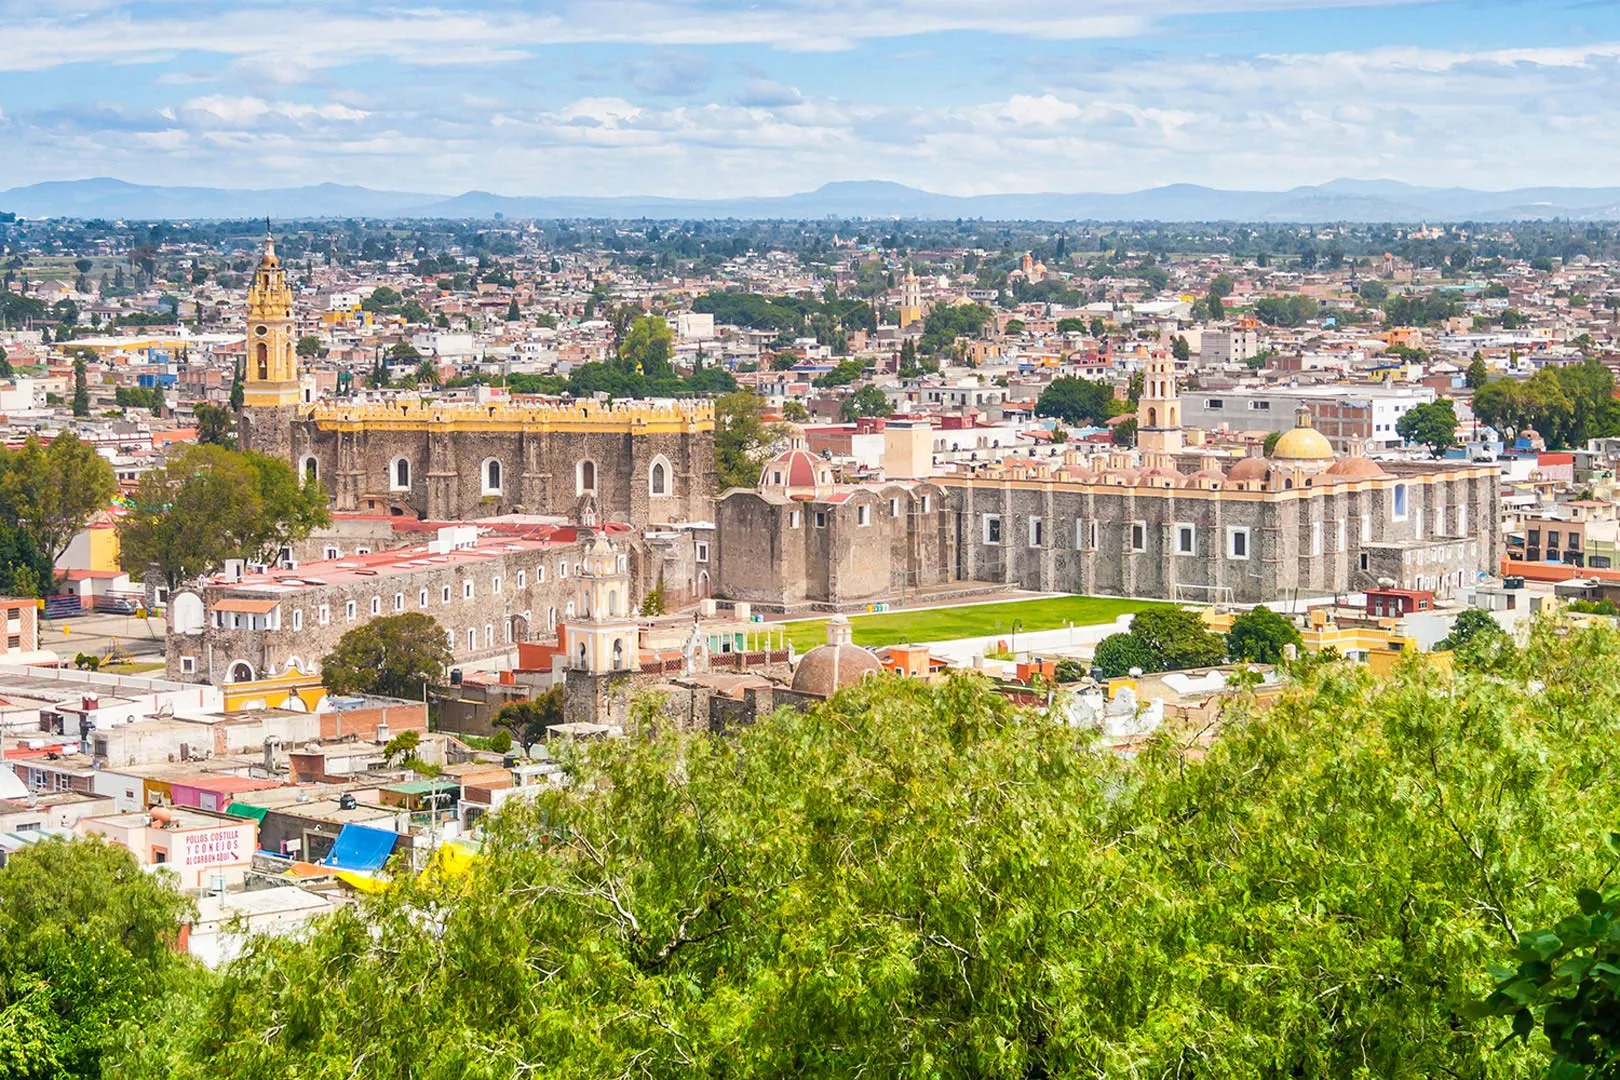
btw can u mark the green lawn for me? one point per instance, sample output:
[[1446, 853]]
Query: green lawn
[[975, 620]]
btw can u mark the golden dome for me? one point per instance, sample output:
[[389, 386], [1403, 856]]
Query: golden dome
[[1303, 443]]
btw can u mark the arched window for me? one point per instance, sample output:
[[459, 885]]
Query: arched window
[[551, 619], [399, 475], [658, 477], [312, 468], [613, 603], [1153, 418], [241, 671], [585, 477], [262, 352], [618, 654], [582, 654], [492, 477]]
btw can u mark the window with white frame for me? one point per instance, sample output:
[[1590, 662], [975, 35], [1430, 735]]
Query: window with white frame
[[467, 590], [489, 635], [399, 601], [332, 552], [323, 615], [1037, 532], [540, 574], [399, 475], [894, 507], [1186, 540], [349, 610], [992, 528], [523, 579], [362, 551], [863, 515], [927, 503], [444, 594], [562, 570], [490, 476], [188, 665], [422, 598], [793, 519], [702, 551], [1237, 542], [472, 639], [1399, 499], [376, 605], [495, 585], [1316, 538], [821, 519], [1136, 536], [298, 620]]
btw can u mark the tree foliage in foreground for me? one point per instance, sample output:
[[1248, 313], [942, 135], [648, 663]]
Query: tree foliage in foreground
[[917, 880]]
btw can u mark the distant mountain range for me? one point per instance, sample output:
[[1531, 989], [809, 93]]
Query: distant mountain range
[[1340, 200]]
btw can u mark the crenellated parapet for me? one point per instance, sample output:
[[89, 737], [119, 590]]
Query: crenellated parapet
[[588, 417]]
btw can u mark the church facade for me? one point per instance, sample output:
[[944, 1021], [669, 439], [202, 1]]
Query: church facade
[[634, 462]]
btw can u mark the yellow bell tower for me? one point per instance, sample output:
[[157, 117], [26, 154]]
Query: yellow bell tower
[[272, 344]]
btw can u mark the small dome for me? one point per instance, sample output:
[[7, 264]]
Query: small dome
[[1161, 477], [1247, 470], [827, 669], [1357, 468], [795, 468]]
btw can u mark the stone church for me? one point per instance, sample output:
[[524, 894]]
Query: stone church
[[1163, 521], [634, 462]]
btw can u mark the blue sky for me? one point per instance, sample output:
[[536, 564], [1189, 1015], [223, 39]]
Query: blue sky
[[725, 97]]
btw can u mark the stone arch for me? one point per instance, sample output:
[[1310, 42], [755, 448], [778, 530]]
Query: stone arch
[[399, 474], [261, 354], [618, 654], [240, 671], [585, 478], [490, 476], [659, 476], [312, 467]]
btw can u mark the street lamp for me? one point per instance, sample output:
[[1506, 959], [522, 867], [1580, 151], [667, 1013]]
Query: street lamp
[[1017, 625]]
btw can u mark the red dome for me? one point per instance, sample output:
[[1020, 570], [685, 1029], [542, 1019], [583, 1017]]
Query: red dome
[[1357, 468], [794, 468], [1250, 468]]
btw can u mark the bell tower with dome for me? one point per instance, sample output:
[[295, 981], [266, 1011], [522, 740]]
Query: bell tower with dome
[[272, 390]]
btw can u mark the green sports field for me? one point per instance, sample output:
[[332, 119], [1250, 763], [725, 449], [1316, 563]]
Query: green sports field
[[971, 620]]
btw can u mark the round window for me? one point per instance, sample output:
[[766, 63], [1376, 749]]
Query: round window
[[261, 331]]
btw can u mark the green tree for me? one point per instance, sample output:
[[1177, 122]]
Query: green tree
[[53, 490], [1268, 446], [391, 656], [81, 389], [869, 400], [794, 412], [1098, 328], [512, 312], [1478, 640], [208, 504], [1180, 349], [1015, 326], [648, 346], [216, 426], [1117, 654], [1373, 291], [310, 347], [528, 720], [1177, 638], [1259, 636], [1124, 432], [1071, 325], [86, 951], [1432, 424], [1477, 375], [24, 569], [1215, 307], [238, 390], [741, 438], [1076, 401]]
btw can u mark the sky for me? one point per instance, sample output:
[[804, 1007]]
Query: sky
[[701, 98]]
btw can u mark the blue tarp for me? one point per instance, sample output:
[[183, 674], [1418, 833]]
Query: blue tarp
[[361, 848]]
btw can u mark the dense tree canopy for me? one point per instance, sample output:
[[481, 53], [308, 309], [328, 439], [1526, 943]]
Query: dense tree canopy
[[1432, 424], [395, 656], [1260, 635], [52, 490], [918, 880], [208, 504], [1077, 401]]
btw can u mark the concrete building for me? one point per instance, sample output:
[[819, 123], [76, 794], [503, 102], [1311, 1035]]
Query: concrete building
[[1344, 415]]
